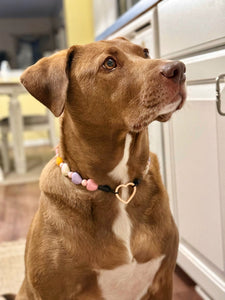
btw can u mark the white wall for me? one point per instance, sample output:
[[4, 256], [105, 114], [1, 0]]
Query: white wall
[[105, 14]]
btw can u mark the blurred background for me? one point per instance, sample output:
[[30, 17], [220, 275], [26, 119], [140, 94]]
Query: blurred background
[[190, 146]]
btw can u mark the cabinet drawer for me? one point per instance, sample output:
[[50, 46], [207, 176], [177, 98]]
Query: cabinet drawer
[[190, 26], [206, 66]]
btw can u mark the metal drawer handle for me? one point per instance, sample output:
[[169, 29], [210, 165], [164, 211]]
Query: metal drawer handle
[[218, 94]]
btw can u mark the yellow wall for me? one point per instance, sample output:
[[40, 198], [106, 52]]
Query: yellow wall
[[79, 30], [79, 21], [29, 105]]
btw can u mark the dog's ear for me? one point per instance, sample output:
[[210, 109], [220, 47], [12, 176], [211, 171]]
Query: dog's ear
[[47, 80]]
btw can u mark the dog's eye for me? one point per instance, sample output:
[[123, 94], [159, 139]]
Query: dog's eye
[[109, 63], [146, 53]]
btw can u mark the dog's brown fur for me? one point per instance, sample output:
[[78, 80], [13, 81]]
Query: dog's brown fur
[[71, 236]]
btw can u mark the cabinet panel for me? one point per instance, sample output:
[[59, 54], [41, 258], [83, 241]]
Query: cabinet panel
[[189, 26], [145, 39], [197, 179], [205, 66], [202, 70], [194, 143]]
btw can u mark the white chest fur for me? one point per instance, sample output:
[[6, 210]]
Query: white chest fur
[[122, 224], [120, 172], [130, 281]]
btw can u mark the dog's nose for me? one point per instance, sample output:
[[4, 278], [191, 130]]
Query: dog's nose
[[174, 70]]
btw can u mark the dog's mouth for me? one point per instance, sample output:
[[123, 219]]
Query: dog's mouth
[[166, 112], [169, 108], [163, 112]]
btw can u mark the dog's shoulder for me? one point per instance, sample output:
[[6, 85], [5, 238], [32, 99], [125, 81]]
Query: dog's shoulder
[[50, 177]]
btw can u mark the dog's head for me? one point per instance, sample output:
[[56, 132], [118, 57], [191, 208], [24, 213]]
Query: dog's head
[[108, 83]]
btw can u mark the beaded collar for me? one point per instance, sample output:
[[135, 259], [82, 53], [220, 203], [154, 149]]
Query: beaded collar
[[90, 184]]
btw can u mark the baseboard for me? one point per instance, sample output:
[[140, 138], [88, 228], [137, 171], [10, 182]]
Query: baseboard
[[201, 293], [201, 273]]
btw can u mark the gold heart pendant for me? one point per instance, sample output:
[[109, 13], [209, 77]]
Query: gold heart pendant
[[126, 186]]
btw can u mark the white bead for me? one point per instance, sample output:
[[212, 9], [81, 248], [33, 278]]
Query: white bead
[[65, 169]]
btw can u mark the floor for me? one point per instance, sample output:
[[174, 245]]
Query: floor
[[18, 204]]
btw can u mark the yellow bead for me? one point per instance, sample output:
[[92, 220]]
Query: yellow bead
[[59, 160]]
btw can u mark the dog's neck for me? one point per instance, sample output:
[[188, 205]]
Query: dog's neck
[[97, 152]]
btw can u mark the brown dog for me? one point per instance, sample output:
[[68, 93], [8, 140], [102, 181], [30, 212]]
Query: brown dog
[[86, 244]]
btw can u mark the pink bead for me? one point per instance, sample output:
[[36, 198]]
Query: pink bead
[[61, 165], [84, 182], [91, 185], [70, 174]]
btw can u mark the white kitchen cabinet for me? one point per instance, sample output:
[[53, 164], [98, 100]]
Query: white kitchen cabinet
[[195, 172], [194, 140]]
